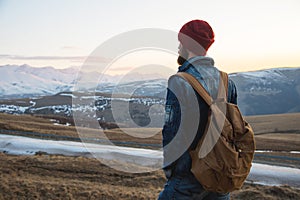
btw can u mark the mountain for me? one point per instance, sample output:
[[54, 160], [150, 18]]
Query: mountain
[[27, 81], [22, 81], [269, 91]]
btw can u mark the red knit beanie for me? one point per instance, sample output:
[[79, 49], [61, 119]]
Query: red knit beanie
[[196, 36]]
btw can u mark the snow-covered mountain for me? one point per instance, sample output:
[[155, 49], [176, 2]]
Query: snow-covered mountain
[[26, 81], [267, 91]]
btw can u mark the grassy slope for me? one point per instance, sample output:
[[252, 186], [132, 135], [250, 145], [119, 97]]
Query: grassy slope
[[60, 177], [272, 131]]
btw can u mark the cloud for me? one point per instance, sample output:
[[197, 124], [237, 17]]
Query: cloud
[[70, 58]]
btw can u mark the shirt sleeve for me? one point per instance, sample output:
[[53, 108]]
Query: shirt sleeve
[[181, 119], [182, 114], [232, 92], [172, 117]]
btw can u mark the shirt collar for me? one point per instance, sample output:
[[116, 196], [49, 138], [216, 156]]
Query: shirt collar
[[197, 60]]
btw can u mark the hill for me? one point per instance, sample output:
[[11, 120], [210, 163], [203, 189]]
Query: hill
[[44, 176]]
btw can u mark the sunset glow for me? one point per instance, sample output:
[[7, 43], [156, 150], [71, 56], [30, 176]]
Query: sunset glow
[[250, 35]]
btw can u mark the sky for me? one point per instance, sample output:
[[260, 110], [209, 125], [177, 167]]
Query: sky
[[249, 35]]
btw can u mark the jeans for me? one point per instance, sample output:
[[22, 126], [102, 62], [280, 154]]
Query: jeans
[[188, 188]]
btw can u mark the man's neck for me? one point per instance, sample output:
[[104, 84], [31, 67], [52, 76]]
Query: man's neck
[[191, 55]]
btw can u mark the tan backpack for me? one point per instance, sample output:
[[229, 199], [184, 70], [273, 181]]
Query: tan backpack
[[222, 159]]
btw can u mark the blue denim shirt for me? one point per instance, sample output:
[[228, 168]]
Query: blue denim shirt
[[202, 68]]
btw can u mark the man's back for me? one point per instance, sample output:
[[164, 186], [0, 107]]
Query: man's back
[[202, 68]]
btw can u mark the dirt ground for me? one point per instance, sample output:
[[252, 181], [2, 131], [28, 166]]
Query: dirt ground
[[61, 177]]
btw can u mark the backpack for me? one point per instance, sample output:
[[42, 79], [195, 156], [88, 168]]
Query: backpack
[[222, 159]]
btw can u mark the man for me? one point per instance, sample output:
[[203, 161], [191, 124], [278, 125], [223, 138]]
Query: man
[[185, 120]]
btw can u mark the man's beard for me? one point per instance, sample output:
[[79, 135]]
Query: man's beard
[[182, 57], [180, 60]]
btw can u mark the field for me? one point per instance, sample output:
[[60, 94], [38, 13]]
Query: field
[[61, 177], [64, 177]]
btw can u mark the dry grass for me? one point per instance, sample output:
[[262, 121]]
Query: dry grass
[[60, 177], [278, 142], [34, 124], [280, 132], [279, 123], [273, 132], [27, 123]]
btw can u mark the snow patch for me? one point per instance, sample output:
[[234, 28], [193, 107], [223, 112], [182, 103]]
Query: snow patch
[[19, 145]]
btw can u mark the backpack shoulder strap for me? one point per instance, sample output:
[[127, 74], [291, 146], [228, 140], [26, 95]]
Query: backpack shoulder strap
[[197, 86], [202, 91], [223, 84]]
